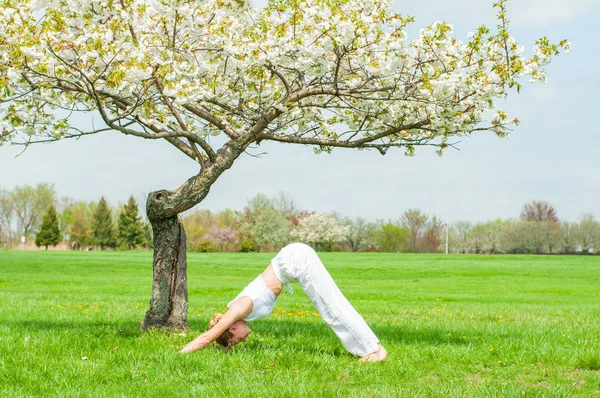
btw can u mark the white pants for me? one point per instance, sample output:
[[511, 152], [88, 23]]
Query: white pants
[[298, 262]]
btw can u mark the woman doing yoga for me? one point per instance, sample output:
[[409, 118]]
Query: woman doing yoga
[[296, 262]]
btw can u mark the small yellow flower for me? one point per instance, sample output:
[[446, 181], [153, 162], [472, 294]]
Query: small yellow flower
[[449, 334], [491, 349]]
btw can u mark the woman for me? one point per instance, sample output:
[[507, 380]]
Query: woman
[[294, 263]]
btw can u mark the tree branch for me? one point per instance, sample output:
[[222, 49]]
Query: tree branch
[[212, 120]]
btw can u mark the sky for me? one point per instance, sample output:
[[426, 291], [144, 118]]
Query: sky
[[553, 155]]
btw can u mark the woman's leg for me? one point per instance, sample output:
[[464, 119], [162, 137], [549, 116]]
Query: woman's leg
[[356, 336]]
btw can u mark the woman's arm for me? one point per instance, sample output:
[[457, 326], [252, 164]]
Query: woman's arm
[[240, 309]]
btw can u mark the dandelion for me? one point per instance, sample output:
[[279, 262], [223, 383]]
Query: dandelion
[[491, 350], [449, 334]]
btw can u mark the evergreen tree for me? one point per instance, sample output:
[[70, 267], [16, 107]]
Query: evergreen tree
[[103, 231], [49, 234], [130, 226]]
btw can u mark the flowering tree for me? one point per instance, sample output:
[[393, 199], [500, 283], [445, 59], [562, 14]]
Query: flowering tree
[[320, 229], [315, 72], [222, 236]]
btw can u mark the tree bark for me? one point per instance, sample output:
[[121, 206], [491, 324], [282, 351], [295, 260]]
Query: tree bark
[[169, 301]]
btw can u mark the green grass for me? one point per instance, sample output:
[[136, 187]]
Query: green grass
[[454, 326]]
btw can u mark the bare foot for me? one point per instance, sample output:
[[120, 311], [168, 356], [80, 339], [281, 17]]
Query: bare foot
[[377, 356]]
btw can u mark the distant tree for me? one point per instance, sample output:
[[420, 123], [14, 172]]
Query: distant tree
[[524, 237], [49, 234], [197, 224], [148, 239], [568, 237], [130, 225], [539, 211], [227, 218], [64, 212], [512, 238], [415, 221], [259, 202], [392, 238], [320, 230], [360, 233], [493, 232], [103, 230], [6, 217], [478, 238], [284, 203], [222, 236], [550, 233], [462, 231], [266, 227], [432, 235], [588, 232], [79, 231], [30, 204]]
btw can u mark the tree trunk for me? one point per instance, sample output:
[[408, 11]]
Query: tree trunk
[[169, 301]]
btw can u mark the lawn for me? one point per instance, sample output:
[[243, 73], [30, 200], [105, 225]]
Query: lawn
[[454, 326]]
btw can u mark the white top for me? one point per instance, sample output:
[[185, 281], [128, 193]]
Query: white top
[[263, 299]]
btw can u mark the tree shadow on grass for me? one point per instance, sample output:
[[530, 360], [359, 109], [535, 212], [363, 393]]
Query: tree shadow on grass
[[126, 329]]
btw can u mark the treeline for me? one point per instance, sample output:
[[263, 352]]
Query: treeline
[[35, 213], [268, 223]]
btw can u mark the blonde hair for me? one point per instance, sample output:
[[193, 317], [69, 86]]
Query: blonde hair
[[225, 337]]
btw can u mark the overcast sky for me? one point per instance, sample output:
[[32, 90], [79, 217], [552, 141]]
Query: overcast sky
[[553, 155]]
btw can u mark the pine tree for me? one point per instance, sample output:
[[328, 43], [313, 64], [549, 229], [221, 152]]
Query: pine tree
[[49, 234], [130, 226], [103, 231]]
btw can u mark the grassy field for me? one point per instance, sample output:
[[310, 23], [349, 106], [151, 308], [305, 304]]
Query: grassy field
[[454, 326]]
